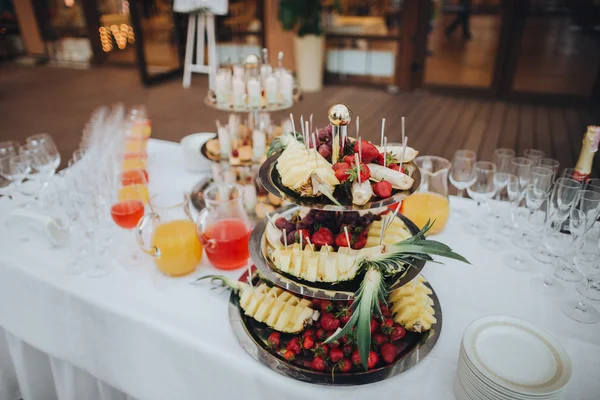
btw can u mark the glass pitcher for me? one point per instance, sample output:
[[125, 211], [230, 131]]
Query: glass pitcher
[[175, 247], [430, 201], [223, 226]]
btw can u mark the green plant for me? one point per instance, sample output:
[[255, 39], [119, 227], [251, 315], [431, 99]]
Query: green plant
[[302, 16]]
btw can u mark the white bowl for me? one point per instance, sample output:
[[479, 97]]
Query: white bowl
[[192, 158]]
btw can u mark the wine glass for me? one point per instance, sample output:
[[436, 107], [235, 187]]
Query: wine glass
[[42, 168], [588, 202], [17, 167], [593, 185], [506, 226], [461, 175], [534, 155], [564, 195], [45, 141], [541, 178], [529, 214], [559, 237], [481, 190], [9, 148], [587, 257], [502, 160], [568, 173], [494, 240], [521, 167], [550, 163]]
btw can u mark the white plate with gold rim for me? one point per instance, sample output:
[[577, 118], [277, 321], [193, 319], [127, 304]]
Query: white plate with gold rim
[[517, 355]]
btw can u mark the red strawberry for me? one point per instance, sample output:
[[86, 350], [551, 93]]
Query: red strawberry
[[356, 357], [308, 332], [344, 315], [305, 236], [329, 322], [365, 172], [350, 160], [321, 349], [374, 325], [388, 352], [397, 333], [318, 364], [382, 189], [326, 306], [359, 243], [289, 355], [336, 354], [322, 237], [369, 152], [347, 349], [372, 360], [309, 343], [274, 340], [235, 153], [341, 241], [294, 345], [385, 311], [321, 334], [316, 302], [396, 167], [342, 173], [345, 365], [380, 159], [387, 326], [379, 338], [350, 302], [343, 165]]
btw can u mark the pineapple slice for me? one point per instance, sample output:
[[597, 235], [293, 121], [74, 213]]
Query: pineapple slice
[[277, 308], [312, 267], [303, 320], [267, 304], [284, 259], [323, 256], [296, 267], [331, 268], [411, 306], [285, 317]]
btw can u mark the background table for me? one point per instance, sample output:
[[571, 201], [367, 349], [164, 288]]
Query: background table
[[136, 334]]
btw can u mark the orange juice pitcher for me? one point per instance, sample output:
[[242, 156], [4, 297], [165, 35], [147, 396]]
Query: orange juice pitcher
[[174, 245], [430, 201], [223, 226]]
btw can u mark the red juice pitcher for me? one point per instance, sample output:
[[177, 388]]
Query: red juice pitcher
[[223, 226]]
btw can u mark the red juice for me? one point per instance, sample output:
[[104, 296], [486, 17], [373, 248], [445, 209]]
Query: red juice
[[230, 250], [127, 213], [134, 176]]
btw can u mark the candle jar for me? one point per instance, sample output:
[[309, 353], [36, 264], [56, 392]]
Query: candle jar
[[223, 85]]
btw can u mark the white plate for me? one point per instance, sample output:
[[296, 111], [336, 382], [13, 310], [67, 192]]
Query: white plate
[[481, 382], [459, 390], [517, 355]]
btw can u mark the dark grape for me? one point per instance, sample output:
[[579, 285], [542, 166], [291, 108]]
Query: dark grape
[[303, 225], [313, 211], [325, 150], [329, 128], [309, 220], [364, 221], [291, 237], [322, 217], [324, 136], [281, 223], [350, 217], [377, 218]]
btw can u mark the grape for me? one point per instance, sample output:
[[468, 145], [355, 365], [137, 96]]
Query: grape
[[364, 221], [324, 136], [309, 220], [291, 237], [329, 128], [377, 218], [313, 211], [325, 150], [322, 217], [281, 223], [350, 217]]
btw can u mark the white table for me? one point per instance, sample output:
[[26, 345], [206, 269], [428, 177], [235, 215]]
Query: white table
[[136, 334]]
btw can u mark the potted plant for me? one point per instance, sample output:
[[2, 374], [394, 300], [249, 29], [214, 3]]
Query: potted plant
[[304, 18]]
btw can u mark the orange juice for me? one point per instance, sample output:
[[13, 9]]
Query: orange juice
[[133, 163], [137, 191], [180, 249], [135, 144], [421, 206]]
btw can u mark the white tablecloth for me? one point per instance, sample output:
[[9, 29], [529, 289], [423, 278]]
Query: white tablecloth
[[140, 335]]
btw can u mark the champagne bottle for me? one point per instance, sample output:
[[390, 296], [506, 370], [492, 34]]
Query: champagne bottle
[[583, 168]]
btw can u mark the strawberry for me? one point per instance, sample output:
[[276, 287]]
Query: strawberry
[[342, 165], [372, 360], [359, 243], [365, 173], [347, 349], [322, 237], [321, 349], [380, 158], [344, 315], [382, 189], [342, 173], [274, 340], [329, 322], [308, 332], [350, 302], [350, 160], [369, 152], [356, 358], [374, 325], [321, 334], [316, 302], [396, 167], [390, 159], [294, 345], [289, 355], [308, 343], [336, 354], [235, 153], [344, 365], [326, 306], [379, 338], [387, 326], [341, 241], [305, 236], [397, 333], [385, 311], [388, 352], [318, 364]]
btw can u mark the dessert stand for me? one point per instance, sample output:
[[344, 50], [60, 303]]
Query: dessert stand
[[252, 335]]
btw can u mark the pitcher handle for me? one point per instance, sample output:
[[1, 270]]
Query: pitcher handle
[[139, 234], [206, 243]]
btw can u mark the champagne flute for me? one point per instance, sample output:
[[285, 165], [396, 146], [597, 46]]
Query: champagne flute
[[588, 202], [541, 178], [502, 160], [481, 190], [45, 141], [559, 237], [587, 257], [552, 164], [494, 240], [461, 175], [521, 167], [529, 214], [568, 173], [564, 195], [534, 155]]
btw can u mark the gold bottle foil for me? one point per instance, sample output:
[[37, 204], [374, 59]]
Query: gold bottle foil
[[591, 139]]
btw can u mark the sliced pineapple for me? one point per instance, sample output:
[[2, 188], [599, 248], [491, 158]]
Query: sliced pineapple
[[411, 306]]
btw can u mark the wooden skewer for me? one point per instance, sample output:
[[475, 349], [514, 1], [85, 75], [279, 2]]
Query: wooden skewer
[[357, 166], [285, 238], [293, 125], [359, 148], [327, 248], [307, 138], [314, 138], [310, 245], [357, 126], [262, 206], [385, 151], [393, 216], [302, 127], [347, 236], [382, 131], [403, 128], [301, 242], [310, 123], [250, 275], [404, 143], [383, 226]]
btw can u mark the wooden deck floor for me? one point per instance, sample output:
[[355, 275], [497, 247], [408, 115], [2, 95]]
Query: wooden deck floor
[[59, 101]]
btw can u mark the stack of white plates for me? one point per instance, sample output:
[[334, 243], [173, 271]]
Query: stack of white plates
[[505, 358]]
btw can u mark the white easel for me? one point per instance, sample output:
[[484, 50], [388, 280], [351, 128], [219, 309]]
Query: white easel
[[206, 23]]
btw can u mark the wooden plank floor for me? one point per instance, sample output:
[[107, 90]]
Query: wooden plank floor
[[59, 101]]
